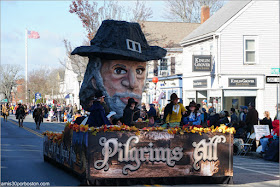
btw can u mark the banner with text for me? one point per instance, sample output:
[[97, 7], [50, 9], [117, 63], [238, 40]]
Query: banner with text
[[159, 154]]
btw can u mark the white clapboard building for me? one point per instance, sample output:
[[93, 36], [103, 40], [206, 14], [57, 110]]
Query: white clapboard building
[[228, 58]]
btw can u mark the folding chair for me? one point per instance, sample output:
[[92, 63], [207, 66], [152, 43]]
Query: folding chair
[[247, 146]]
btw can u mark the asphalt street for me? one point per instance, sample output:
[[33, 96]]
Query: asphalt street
[[22, 159], [22, 155]]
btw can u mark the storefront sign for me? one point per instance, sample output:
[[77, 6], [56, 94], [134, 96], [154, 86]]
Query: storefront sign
[[261, 130], [272, 79], [200, 83], [202, 62], [125, 155], [242, 82]]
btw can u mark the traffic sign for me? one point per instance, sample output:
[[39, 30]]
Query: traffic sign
[[272, 79], [275, 71], [37, 96], [4, 100]]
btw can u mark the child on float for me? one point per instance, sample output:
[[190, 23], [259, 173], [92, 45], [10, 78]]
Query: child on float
[[192, 116], [152, 115]]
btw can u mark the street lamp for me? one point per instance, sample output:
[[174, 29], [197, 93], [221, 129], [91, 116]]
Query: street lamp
[[79, 78], [29, 95], [155, 81]]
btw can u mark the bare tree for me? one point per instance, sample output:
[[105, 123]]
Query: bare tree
[[9, 76], [78, 63], [92, 17], [44, 81], [189, 10], [141, 12]]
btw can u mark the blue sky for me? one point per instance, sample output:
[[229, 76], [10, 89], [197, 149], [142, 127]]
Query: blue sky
[[52, 20]]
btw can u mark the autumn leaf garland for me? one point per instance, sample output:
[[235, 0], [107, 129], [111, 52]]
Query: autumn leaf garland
[[57, 137]]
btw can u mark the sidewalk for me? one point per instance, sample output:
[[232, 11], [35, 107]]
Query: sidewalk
[[45, 126]]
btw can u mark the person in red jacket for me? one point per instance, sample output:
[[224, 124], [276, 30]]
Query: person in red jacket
[[274, 135]]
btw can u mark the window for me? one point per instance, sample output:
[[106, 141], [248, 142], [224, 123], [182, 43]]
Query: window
[[250, 50], [173, 65], [163, 64], [155, 67]]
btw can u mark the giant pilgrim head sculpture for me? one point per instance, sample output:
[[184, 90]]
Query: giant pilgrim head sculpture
[[118, 56]]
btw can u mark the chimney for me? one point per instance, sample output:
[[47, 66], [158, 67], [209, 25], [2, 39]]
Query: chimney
[[205, 13]]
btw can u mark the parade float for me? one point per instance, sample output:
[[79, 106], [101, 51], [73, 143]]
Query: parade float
[[123, 155], [131, 155]]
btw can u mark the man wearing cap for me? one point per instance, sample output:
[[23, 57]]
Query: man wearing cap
[[118, 55], [204, 104]]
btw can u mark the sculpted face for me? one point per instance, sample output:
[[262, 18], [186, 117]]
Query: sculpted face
[[123, 79]]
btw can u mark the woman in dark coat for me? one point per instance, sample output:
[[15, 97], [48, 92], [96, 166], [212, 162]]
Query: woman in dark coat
[[129, 111], [97, 116], [267, 120], [38, 116], [20, 115]]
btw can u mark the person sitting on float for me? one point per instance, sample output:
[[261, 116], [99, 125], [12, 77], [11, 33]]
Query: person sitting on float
[[152, 115], [173, 112], [131, 112], [192, 115], [97, 116]]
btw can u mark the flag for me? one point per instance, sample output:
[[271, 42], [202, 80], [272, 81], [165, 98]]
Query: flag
[[33, 34]]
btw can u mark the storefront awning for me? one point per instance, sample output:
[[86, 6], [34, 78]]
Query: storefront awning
[[240, 93]]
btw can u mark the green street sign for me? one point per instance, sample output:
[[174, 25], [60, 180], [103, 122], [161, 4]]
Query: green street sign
[[4, 100], [275, 71]]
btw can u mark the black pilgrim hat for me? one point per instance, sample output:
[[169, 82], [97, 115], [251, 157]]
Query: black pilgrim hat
[[130, 101], [173, 97], [120, 40], [192, 104]]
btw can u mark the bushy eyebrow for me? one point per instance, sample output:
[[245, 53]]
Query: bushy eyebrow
[[141, 67], [121, 65]]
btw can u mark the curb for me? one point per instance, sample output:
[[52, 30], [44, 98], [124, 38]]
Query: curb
[[254, 154]]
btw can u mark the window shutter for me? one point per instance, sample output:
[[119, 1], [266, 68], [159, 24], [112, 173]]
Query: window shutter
[[155, 68], [172, 65]]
